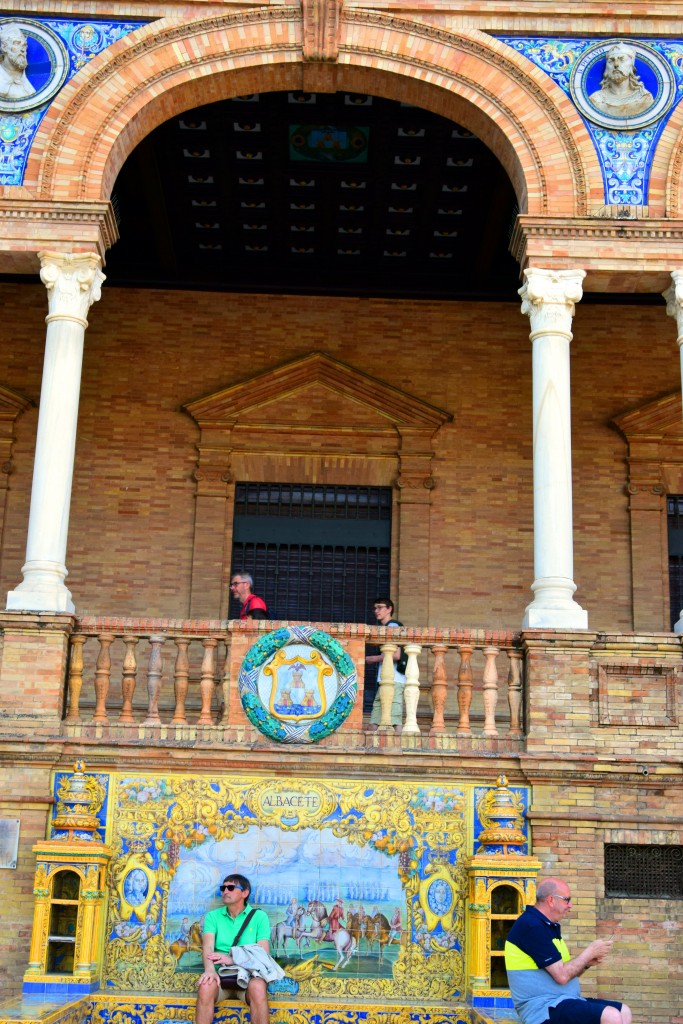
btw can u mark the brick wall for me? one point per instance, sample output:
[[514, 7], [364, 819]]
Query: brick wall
[[147, 353], [24, 794], [571, 824]]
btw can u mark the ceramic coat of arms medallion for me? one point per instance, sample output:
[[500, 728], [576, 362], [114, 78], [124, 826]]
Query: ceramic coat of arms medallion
[[297, 684]]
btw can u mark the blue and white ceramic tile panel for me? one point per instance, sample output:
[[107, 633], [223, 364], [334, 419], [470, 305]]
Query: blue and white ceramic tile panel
[[625, 153], [57, 50]]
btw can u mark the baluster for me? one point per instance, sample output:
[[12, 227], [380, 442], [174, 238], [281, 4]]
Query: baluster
[[490, 680], [464, 690], [154, 672], [386, 686], [130, 667], [439, 688], [75, 683], [225, 687], [181, 680], [207, 683], [411, 694], [102, 678], [515, 692]]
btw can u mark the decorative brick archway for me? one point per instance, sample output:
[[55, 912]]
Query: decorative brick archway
[[163, 69]]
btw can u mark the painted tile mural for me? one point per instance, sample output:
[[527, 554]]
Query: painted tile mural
[[363, 882]]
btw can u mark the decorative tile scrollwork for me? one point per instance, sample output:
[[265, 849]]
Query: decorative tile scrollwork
[[625, 140]]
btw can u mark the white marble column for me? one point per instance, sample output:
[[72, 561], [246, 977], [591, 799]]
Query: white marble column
[[73, 283], [548, 298], [674, 307]]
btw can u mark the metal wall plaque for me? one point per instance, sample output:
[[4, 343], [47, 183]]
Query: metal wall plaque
[[9, 842]]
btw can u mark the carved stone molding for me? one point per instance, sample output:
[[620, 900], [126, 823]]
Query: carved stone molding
[[617, 255], [73, 282], [212, 481], [673, 296], [29, 225], [321, 29], [548, 298]]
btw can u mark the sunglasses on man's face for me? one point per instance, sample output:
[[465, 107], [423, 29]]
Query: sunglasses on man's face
[[230, 887]]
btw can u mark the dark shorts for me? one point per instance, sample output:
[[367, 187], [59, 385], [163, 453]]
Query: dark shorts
[[579, 1011]]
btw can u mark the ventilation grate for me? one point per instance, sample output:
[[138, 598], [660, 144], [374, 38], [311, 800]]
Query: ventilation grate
[[644, 871]]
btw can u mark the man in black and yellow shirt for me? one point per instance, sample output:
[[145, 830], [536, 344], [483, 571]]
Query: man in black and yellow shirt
[[543, 977]]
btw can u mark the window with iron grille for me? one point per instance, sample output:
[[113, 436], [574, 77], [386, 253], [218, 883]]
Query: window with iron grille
[[316, 552], [674, 508], [644, 871]]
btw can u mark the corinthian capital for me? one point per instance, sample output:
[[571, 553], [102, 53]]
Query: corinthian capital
[[73, 283], [674, 301], [548, 298]]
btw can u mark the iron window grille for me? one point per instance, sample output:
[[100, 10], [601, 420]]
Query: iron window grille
[[644, 871], [316, 552], [674, 509]]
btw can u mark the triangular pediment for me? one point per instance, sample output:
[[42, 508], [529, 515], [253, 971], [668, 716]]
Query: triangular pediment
[[310, 405], [316, 390], [654, 420], [12, 404]]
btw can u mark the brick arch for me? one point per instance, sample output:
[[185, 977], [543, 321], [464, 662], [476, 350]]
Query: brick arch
[[164, 69], [665, 197]]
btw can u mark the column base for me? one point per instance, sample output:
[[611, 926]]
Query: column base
[[41, 590], [553, 606], [678, 625], [40, 601]]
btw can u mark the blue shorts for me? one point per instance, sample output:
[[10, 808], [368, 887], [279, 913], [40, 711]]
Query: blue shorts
[[579, 1011]]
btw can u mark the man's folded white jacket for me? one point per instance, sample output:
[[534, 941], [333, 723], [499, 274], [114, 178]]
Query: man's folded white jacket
[[251, 961]]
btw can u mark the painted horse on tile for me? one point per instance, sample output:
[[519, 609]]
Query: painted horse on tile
[[344, 943]]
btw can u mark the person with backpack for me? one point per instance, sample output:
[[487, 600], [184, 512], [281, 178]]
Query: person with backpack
[[383, 608]]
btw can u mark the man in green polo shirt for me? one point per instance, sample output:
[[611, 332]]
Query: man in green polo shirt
[[221, 927]]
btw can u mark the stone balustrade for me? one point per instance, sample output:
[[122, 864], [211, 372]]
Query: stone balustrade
[[463, 683]]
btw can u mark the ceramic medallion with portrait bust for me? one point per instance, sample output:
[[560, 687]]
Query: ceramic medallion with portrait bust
[[622, 84], [33, 65]]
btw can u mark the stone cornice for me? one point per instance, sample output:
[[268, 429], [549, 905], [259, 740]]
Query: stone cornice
[[607, 248], [29, 225], [573, 16]]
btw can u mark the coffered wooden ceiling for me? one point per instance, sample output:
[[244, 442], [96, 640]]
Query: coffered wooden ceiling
[[315, 193]]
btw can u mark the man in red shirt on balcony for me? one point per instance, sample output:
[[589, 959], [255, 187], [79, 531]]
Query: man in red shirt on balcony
[[241, 587]]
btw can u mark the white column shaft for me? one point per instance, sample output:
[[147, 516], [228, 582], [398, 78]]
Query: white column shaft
[[553, 536], [73, 284], [55, 442], [548, 298]]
